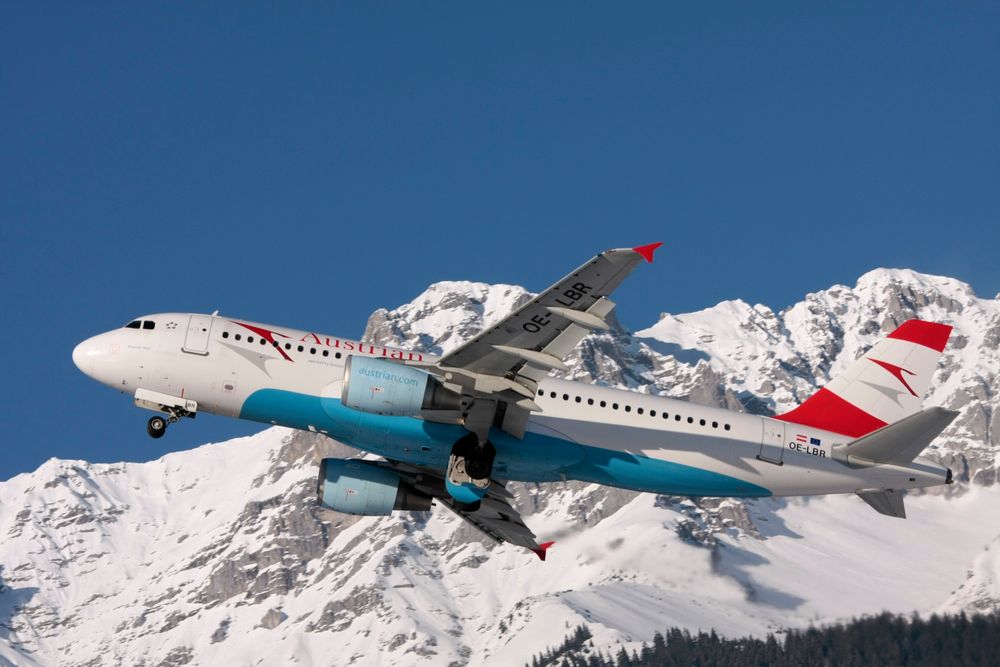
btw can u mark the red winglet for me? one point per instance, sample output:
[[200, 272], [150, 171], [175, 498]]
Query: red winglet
[[647, 251], [928, 334], [542, 548]]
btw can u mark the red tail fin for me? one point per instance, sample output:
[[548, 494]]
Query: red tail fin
[[881, 387]]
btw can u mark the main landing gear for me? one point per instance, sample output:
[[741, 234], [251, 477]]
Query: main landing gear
[[469, 470], [157, 425]]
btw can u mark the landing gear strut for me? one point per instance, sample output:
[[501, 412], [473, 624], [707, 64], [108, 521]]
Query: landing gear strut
[[157, 426]]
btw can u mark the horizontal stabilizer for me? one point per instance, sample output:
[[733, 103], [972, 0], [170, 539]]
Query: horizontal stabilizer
[[897, 443], [885, 501]]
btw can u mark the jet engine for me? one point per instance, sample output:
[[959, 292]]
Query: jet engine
[[353, 486], [382, 387]]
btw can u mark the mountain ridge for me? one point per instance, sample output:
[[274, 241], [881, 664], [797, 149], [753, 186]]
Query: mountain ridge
[[159, 563]]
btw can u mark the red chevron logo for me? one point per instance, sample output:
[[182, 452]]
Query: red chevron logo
[[897, 372], [267, 335]]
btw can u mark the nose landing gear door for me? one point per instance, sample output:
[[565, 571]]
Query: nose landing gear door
[[772, 444], [197, 335]]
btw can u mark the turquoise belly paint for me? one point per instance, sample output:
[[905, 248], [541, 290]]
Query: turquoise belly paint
[[536, 458]]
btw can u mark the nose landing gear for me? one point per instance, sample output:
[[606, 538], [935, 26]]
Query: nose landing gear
[[157, 426]]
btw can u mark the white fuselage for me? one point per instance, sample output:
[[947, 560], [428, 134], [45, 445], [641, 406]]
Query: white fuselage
[[632, 440]]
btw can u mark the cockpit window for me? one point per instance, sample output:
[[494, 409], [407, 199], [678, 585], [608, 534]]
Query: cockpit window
[[148, 324], [135, 324]]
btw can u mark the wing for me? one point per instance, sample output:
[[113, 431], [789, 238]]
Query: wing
[[512, 356], [496, 517], [532, 334]]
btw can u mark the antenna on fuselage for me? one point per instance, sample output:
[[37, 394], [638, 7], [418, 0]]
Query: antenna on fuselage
[[215, 313]]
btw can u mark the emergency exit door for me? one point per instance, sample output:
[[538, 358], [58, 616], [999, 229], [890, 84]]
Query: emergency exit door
[[772, 443], [198, 332]]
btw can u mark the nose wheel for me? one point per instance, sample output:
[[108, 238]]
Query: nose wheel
[[156, 427]]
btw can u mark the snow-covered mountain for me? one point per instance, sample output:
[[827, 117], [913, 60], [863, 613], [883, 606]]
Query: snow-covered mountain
[[219, 555]]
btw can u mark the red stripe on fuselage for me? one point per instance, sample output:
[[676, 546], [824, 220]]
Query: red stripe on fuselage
[[829, 412]]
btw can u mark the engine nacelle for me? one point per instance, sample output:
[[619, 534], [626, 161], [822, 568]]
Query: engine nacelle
[[386, 388], [353, 486]]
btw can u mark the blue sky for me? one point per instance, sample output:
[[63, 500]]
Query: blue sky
[[306, 163]]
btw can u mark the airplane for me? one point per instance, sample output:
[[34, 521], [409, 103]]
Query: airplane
[[457, 428]]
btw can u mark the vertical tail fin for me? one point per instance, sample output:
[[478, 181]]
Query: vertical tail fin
[[881, 387]]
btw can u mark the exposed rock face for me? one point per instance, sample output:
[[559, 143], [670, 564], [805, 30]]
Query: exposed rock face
[[220, 555], [980, 592]]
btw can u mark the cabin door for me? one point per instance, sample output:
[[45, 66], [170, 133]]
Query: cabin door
[[772, 443], [198, 332]]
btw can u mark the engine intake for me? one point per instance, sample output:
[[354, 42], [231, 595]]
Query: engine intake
[[383, 387], [352, 486]]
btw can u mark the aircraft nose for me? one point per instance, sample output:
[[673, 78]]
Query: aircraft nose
[[83, 356]]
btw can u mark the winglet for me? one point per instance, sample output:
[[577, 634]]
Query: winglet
[[647, 251], [542, 548]]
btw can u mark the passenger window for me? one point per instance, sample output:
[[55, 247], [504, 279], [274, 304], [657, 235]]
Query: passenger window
[[249, 339], [652, 413], [337, 355], [628, 408], [312, 350], [541, 392], [149, 324], [614, 406], [590, 401], [578, 399], [301, 348], [288, 346], [715, 424], [604, 404], [552, 394], [263, 342], [690, 420], [565, 397], [677, 418], [225, 334], [237, 337], [133, 325], [701, 422], [727, 427], [639, 411], [326, 353], [666, 415]]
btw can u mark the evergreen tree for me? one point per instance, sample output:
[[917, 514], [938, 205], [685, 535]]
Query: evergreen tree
[[885, 639]]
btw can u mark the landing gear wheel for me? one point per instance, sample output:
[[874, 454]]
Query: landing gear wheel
[[481, 466], [478, 458], [156, 427]]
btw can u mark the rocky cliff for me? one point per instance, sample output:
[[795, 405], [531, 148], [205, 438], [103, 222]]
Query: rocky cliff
[[219, 555]]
